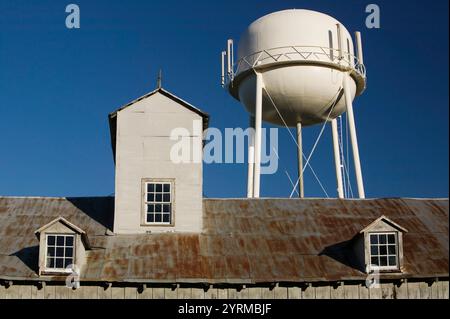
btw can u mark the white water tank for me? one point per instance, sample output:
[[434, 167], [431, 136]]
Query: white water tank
[[296, 51]]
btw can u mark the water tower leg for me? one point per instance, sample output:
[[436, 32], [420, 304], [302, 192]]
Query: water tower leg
[[251, 157], [258, 127], [353, 138], [337, 158], [301, 186]]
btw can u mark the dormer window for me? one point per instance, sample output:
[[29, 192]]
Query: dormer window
[[382, 242], [60, 251], [158, 202], [383, 251], [62, 247]]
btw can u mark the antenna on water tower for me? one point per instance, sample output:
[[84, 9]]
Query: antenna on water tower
[[290, 72]]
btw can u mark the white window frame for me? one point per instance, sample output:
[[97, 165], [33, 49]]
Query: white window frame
[[60, 270], [145, 184], [397, 251]]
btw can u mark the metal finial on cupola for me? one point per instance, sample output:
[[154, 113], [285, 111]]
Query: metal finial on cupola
[[159, 80]]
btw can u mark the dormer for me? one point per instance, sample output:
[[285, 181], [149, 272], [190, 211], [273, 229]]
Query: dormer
[[155, 192], [381, 246], [62, 247]]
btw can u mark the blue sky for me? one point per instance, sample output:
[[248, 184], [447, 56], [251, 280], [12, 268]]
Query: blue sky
[[58, 85]]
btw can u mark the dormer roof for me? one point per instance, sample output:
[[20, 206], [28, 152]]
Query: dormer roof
[[68, 224], [113, 116], [383, 219]]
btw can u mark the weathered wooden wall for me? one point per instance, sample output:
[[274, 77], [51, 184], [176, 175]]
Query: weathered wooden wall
[[408, 290]]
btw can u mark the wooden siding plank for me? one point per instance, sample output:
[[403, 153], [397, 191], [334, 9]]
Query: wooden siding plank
[[222, 293], [104, 293], [158, 293], [146, 293], [280, 292], [294, 293], [425, 291], [267, 293], [12, 292], [170, 293], [198, 293], [337, 292], [130, 293], [90, 292], [211, 293], [401, 291], [309, 293], [364, 292], [49, 292], [434, 290], [25, 292], [243, 294], [387, 291], [323, 292], [254, 292], [351, 291], [62, 292], [37, 293], [117, 293], [444, 294], [413, 290], [375, 292], [184, 293]]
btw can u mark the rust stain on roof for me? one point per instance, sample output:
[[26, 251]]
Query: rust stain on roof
[[244, 241]]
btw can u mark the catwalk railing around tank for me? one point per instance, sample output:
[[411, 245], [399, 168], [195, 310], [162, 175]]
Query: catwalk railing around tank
[[315, 54]]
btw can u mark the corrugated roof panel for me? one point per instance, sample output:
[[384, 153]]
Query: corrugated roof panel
[[244, 241]]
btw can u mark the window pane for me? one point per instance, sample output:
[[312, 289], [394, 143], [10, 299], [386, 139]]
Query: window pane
[[392, 261], [374, 239], [391, 250], [60, 252], [51, 240], [382, 239], [150, 208], [391, 239], [150, 218], [50, 251], [59, 263], [50, 262], [158, 188], [374, 250], [383, 250], [69, 252], [150, 197], [150, 188], [383, 261], [158, 198], [374, 261], [69, 241], [158, 208], [158, 218], [166, 208], [166, 218], [166, 188], [60, 240], [67, 262], [166, 198]]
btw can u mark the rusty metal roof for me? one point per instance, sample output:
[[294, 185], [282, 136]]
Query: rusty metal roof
[[244, 240]]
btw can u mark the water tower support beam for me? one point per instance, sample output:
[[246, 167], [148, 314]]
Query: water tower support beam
[[258, 127], [337, 158], [301, 186], [251, 157], [353, 138]]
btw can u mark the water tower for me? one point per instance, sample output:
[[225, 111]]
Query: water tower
[[296, 68]]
